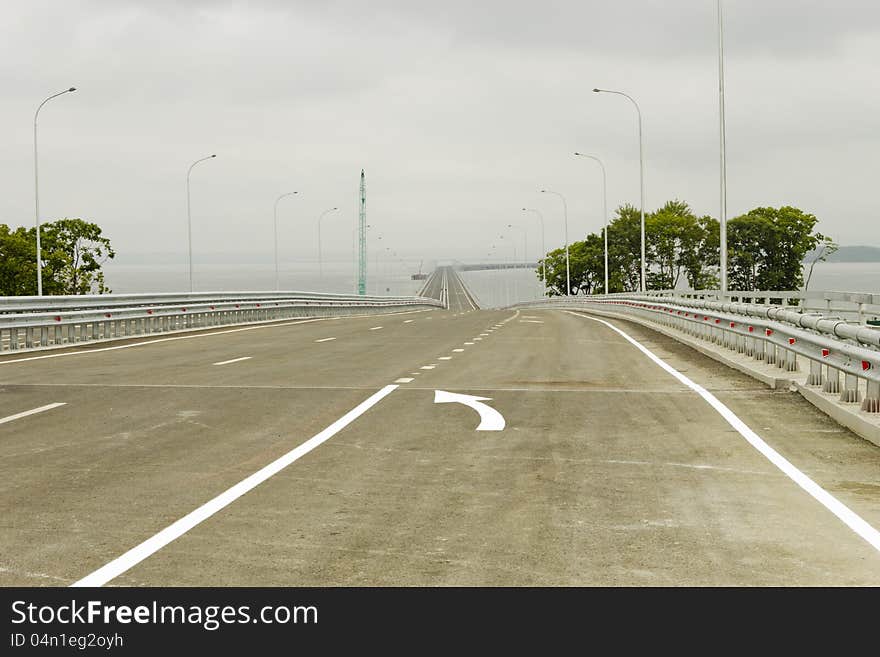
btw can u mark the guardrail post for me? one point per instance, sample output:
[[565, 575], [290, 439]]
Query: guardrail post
[[44, 336], [791, 364], [815, 377], [13, 338], [850, 394], [832, 382], [872, 397], [29, 337]]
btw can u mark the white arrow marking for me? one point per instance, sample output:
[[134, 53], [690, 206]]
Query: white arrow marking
[[490, 419]]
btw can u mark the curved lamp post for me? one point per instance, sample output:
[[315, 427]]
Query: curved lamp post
[[275, 230], [320, 259], [189, 233], [543, 249], [641, 173], [604, 210], [565, 217], [37, 190]]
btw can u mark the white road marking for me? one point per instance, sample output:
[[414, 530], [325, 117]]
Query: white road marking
[[33, 411], [484, 335], [530, 317], [404, 379], [234, 360], [376, 328], [325, 339], [849, 517], [444, 358], [476, 339], [469, 343], [177, 529], [490, 419], [530, 321], [407, 321], [458, 351], [428, 367]]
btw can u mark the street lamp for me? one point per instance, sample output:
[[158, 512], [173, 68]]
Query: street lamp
[[37, 190], [525, 240], [641, 174], [189, 220], [604, 210], [320, 260], [565, 216], [543, 249], [275, 230], [722, 223]]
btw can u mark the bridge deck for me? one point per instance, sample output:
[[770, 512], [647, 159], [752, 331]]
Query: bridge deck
[[609, 471]]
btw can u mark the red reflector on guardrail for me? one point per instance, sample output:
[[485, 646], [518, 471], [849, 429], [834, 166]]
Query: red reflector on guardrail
[[791, 341], [107, 315], [866, 365], [769, 331], [258, 305], [717, 321], [183, 309], [825, 353], [751, 329], [705, 319], [149, 312], [732, 324]]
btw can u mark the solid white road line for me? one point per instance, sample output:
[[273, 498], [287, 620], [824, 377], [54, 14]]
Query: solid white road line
[[177, 529], [325, 339], [530, 321], [234, 360], [849, 517], [33, 411], [404, 379]]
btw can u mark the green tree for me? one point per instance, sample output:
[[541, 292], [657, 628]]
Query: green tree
[[73, 253], [18, 267], [767, 247]]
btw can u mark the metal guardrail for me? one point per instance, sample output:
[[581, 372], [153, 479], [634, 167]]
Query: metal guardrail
[[857, 306], [172, 313], [771, 334]]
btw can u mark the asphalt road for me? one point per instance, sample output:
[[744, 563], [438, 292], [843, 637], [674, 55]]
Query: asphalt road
[[608, 471]]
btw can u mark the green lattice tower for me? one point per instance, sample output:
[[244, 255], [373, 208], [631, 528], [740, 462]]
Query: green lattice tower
[[362, 239]]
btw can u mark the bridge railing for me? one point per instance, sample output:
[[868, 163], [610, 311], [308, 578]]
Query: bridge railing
[[855, 306], [775, 335], [49, 322]]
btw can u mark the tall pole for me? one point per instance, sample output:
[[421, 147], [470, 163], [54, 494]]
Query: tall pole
[[37, 191], [543, 249], [723, 139], [525, 242], [189, 220], [362, 237], [644, 283], [565, 219], [275, 232], [320, 259], [604, 210]]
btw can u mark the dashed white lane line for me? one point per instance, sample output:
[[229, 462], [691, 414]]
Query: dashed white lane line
[[530, 317], [377, 328], [444, 358], [407, 321], [469, 343], [484, 335], [33, 411], [404, 379], [428, 367], [458, 351], [177, 529], [849, 517], [477, 339], [233, 360], [325, 339], [530, 321]]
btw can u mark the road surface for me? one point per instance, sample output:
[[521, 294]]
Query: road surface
[[608, 471]]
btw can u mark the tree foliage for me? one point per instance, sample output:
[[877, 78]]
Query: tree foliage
[[766, 249], [73, 252]]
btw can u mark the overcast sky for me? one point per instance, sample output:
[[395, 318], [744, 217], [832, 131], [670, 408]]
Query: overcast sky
[[459, 111]]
